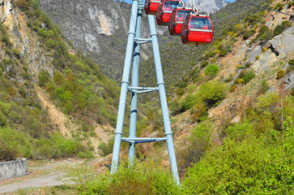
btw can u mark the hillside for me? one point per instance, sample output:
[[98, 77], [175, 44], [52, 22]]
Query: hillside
[[54, 102], [231, 107], [99, 29], [232, 113]]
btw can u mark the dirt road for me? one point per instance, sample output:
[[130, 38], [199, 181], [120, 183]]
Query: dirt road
[[52, 179], [42, 175]]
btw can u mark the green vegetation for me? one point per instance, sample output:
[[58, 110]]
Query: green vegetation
[[141, 178], [106, 148], [281, 73], [256, 156], [211, 70], [291, 64], [209, 93], [76, 86], [248, 34], [278, 30], [279, 6]]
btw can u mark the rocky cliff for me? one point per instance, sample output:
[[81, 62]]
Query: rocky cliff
[[209, 6]]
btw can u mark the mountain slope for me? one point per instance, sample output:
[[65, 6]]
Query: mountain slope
[[55, 99], [99, 29]]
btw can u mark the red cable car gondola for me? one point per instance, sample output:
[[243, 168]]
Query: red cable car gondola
[[197, 29], [164, 11], [151, 6], [177, 19]]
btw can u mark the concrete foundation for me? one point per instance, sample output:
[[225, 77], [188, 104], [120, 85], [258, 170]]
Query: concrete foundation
[[13, 168]]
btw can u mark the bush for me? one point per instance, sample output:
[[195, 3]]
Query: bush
[[248, 34], [42, 32], [266, 36], [223, 52], [278, 30], [291, 63], [106, 148], [279, 6], [3, 120], [188, 103], [44, 77], [22, 4], [211, 70], [233, 87], [198, 142], [142, 178], [5, 39], [248, 76], [281, 73], [13, 144], [286, 24], [212, 92]]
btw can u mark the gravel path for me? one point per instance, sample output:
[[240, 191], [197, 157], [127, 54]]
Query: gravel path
[[42, 181]]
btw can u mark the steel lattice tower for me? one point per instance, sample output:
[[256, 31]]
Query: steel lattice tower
[[133, 55]]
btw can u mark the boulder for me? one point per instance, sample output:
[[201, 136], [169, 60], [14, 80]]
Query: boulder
[[283, 42]]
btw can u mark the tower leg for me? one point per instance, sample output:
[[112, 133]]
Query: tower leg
[[135, 83], [124, 87], [163, 101]]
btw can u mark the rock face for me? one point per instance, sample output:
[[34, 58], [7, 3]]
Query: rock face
[[281, 42], [86, 22], [208, 6], [24, 41]]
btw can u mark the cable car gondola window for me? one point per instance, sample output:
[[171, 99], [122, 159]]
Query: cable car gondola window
[[182, 15], [169, 6], [199, 23]]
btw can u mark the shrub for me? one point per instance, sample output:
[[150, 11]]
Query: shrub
[[233, 87], [13, 144], [291, 63], [142, 178], [278, 30], [266, 36], [281, 73], [43, 78], [212, 92], [286, 24], [223, 52], [204, 63], [5, 39], [198, 142], [16, 53], [248, 34], [106, 148], [211, 70], [42, 32], [3, 120], [188, 103], [87, 154], [279, 6], [22, 4], [248, 76]]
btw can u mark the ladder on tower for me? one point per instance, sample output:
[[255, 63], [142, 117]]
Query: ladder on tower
[[133, 54]]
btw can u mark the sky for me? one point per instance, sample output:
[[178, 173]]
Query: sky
[[130, 1]]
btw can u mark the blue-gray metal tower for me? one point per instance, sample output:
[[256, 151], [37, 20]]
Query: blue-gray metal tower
[[133, 55]]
